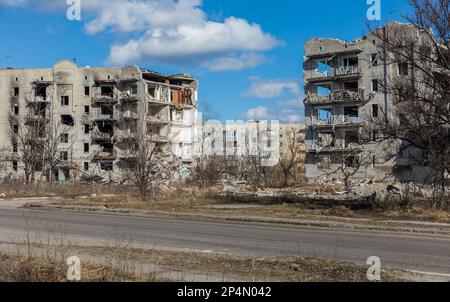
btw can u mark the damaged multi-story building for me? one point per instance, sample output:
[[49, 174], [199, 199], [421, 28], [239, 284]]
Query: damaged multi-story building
[[93, 113], [343, 89]]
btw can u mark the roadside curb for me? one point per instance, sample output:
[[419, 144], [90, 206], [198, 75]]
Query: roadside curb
[[386, 226]]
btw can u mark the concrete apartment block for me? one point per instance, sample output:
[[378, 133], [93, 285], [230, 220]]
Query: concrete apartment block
[[99, 108], [342, 89]]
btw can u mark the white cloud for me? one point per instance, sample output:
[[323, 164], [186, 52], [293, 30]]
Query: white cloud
[[176, 32], [193, 43], [266, 89], [236, 62], [257, 113]]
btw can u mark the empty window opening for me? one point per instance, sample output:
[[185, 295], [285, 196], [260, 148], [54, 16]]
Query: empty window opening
[[107, 91], [107, 110], [64, 156], [87, 91], [14, 166], [351, 112], [16, 110], [375, 110], [64, 138], [87, 129], [403, 69], [86, 166], [374, 161], [16, 129], [67, 120], [86, 147], [86, 109], [41, 91], [351, 86], [151, 90], [15, 148], [16, 91], [65, 100], [375, 85]]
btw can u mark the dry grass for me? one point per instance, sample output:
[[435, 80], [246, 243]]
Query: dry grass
[[202, 201]]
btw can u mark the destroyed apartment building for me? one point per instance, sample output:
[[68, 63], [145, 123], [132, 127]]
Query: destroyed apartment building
[[343, 90], [74, 123]]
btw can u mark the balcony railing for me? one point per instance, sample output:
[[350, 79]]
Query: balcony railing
[[346, 70], [102, 117], [330, 74]]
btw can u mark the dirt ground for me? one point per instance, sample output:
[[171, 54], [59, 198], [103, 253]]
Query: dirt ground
[[204, 202]]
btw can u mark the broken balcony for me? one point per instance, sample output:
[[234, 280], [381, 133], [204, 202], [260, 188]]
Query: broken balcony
[[337, 96], [104, 95], [108, 155]]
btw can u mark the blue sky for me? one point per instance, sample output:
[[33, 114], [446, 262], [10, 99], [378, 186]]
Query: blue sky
[[247, 55]]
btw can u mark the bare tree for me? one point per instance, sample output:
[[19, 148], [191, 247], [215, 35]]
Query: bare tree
[[144, 149], [28, 137], [292, 157], [416, 125], [57, 139]]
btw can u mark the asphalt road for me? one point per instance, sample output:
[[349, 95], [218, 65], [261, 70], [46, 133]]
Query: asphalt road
[[424, 253]]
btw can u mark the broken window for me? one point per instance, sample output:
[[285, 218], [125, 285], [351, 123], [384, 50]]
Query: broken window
[[41, 91], [86, 109], [16, 110], [87, 91], [351, 86], [151, 90], [64, 156], [86, 166], [15, 148], [352, 161], [353, 61], [375, 85], [67, 120], [107, 110], [324, 163], [16, 129], [86, 129], [375, 110], [86, 147], [351, 138], [326, 140], [16, 91], [402, 119], [351, 112], [374, 59], [107, 91], [15, 165], [65, 100], [64, 138], [403, 69]]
